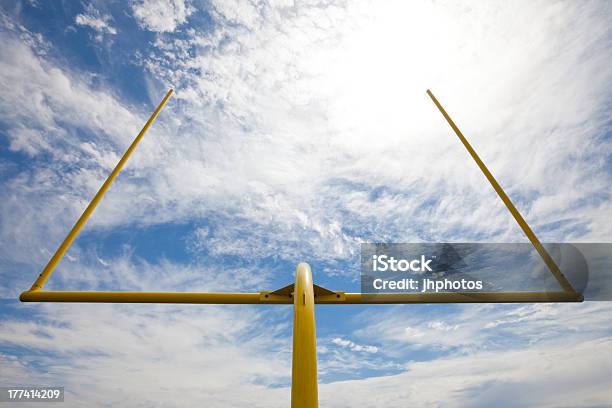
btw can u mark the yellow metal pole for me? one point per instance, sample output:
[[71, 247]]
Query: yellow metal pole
[[515, 213], [46, 273], [142, 297], [264, 297], [304, 392]]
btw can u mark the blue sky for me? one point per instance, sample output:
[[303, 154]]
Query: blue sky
[[297, 131]]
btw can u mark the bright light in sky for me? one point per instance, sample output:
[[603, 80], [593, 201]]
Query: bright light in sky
[[376, 74]]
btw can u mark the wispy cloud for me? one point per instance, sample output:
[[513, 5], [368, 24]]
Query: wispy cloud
[[543, 376], [224, 356], [161, 15], [354, 346], [100, 23], [282, 128]]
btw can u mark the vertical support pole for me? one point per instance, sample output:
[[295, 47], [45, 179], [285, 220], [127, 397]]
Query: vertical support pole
[[550, 263], [304, 391], [59, 253]]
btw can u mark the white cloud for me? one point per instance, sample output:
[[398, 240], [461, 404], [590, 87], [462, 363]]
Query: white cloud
[[354, 346], [502, 355], [152, 354], [324, 131], [323, 105], [315, 123], [46, 111], [468, 328], [161, 15], [101, 23], [572, 375], [246, 13]]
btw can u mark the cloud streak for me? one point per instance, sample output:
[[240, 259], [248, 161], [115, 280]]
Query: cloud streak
[[100, 23], [161, 15]]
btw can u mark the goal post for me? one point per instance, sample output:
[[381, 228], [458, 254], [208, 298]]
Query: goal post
[[303, 294]]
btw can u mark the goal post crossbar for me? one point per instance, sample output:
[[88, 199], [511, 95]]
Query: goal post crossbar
[[264, 297]]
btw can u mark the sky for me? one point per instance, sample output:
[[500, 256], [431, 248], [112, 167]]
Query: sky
[[297, 131]]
